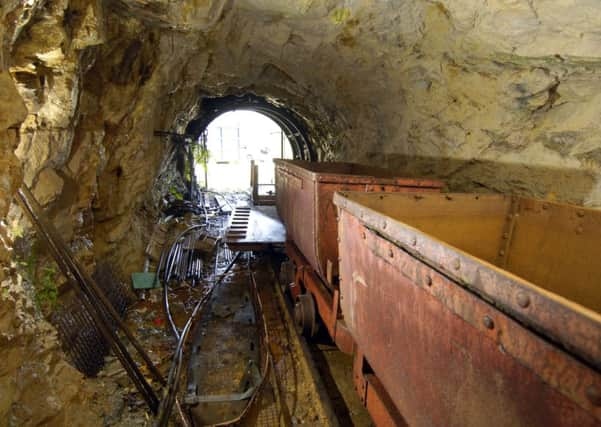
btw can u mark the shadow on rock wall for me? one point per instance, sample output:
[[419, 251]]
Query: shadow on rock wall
[[570, 185]]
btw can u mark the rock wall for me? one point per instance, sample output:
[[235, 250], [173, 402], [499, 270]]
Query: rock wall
[[490, 95], [37, 385]]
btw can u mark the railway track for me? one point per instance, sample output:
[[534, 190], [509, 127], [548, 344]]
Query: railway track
[[238, 358]]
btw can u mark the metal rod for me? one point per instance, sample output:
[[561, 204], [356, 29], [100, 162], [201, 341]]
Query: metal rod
[[100, 320], [89, 287]]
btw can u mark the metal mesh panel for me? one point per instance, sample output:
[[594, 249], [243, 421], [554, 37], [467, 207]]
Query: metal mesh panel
[[79, 336]]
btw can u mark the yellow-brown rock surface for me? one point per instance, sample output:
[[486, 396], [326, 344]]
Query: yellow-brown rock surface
[[490, 95]]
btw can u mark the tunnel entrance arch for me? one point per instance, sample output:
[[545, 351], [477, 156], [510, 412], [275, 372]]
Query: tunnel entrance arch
[[240, 145], [291, 124]]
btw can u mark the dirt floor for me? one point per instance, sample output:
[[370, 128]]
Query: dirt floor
[[335, 370], [306, 383]]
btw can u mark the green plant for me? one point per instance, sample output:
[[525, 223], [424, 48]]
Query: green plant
[[176, 193], [29, 265], [201, 155], [43, 280], [46, 289]]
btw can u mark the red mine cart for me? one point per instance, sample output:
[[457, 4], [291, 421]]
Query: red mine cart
[[304, 192], [473, 310]]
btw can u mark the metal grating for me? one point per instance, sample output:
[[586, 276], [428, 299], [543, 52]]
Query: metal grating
[[79, 335]]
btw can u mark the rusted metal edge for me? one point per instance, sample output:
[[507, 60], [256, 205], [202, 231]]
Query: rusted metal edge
[[507, 235], [299, 172], [374, 396], [568, 375], [327, 178], [576, 328]]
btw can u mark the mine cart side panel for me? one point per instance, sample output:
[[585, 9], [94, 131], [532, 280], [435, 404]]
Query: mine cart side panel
[[425, 225], [447, 357], [304, 193], [558, 246]]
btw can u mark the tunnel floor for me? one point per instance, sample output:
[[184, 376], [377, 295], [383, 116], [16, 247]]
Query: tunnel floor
[[308, 382]]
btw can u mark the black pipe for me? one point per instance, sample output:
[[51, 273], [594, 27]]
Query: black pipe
[[166, 405]]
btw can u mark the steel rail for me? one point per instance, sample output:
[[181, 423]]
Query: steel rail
[[168, 400], [86, 280]]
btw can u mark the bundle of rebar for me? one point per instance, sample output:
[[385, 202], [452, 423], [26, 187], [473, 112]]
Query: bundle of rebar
[[184, 260]]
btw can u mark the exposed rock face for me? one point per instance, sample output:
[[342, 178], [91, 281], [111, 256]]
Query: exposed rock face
[[38, 386], [501, 95]]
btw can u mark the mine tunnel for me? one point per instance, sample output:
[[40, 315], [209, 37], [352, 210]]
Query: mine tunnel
[[281, 213]]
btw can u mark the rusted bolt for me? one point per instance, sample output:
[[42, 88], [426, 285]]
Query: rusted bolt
[[414, 241], [390, 253], [501, 252], [594, 394], [580, 213], [579, 230], [523, 299], [428, 281], [545, 206], [456, 264], [488, 322]]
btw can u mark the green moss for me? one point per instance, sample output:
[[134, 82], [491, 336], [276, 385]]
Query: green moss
[[46, 288], [176, 193], [340, 15], [42, 278]]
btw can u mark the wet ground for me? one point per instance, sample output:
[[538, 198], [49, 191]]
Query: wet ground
[[335, 370], [306, 384]]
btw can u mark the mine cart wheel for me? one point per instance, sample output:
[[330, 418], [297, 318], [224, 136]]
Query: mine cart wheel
[[287, 275], [304, 315]]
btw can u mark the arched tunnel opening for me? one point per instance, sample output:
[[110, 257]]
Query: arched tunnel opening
[[236, 142], [291, 124], [235, 134], [406, 232]]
